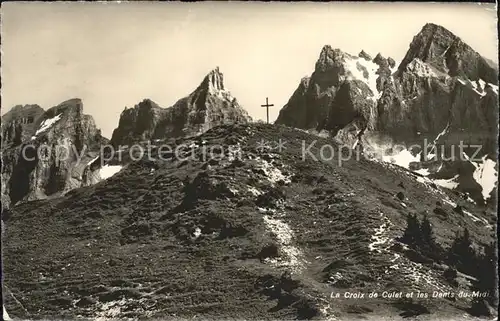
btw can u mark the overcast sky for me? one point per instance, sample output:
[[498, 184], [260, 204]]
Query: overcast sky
[[115, 55]]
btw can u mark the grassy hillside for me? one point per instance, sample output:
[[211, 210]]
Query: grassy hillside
[[268, 236]]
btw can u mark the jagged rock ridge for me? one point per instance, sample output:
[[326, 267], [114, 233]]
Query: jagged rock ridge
[[209, 105], [257, 234]]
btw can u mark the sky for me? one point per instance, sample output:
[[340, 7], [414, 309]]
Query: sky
[[113, 55]]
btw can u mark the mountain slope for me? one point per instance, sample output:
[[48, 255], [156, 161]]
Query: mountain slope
[[56, 144], [258, 233]]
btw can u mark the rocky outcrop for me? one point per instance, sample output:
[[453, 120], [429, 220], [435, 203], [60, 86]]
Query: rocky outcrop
[[209, 105], [18, 124], [48, 152], [315, 103], [295, 113], [442, 92], [138, 123], [263, 235], [364, 55]]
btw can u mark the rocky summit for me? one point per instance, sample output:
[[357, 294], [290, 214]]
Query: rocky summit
[[442, 94], [209, 105]]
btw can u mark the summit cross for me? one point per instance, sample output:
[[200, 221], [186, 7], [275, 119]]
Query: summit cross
[[267, 105]]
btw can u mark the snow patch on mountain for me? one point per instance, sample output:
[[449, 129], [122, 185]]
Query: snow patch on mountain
[[396, 66], [485, 174], [394, 70], [443, 132], [93, 160], [474, 218], [432, 153], [478, 87], [197, 232]]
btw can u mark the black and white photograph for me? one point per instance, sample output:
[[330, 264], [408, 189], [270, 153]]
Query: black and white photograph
[[227, 160]]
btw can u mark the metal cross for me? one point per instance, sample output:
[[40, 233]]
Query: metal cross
[[267, 105]]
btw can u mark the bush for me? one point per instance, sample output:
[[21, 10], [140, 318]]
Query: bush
[[450, 275], [420, 238], [462, 255], [412, 231]]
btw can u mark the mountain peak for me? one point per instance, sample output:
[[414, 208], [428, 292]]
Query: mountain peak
[[214, 80], [363, 54], [433, 27], [73, 102], [439, 47], [327, 50], [329, 58]]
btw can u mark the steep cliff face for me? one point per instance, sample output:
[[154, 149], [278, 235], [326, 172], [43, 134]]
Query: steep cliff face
[[49, 152], [209, 105], [441, 94]]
